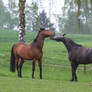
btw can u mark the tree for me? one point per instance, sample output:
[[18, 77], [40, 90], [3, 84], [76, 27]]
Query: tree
[[76, 19], [13, 10], [78, 3], [22, 20], [4, 16], [31, 15], [43, 22], [71, 25], [86, 10]]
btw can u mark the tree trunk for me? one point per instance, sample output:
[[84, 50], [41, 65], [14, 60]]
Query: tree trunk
[[22, 20], [91, 4], [78, 14]]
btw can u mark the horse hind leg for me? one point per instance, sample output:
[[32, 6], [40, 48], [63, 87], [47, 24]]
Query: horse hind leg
[[33, 68], [17, 63], [19, 67]]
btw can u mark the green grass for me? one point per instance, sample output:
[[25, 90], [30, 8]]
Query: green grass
[[56, 67], [16, 85]]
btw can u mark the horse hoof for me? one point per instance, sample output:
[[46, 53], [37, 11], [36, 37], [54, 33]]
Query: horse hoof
[[19, 77], [71, 80], [33, 77], [40, 78], [76, 80]]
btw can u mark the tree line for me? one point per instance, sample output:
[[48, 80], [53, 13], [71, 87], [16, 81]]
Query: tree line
[[77, 17], [9, 16]]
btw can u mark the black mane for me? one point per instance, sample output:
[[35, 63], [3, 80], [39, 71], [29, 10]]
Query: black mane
[[73, 43], [36, 37], [70, 44], [41, 29]]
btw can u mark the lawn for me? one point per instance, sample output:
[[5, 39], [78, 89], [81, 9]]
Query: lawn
[[56, 67]]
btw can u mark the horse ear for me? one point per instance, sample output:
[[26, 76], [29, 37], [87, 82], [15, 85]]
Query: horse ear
[[42, 29], [64, 34]]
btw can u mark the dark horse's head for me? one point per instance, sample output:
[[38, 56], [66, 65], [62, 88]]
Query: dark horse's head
[[59, 38], [65, 40]]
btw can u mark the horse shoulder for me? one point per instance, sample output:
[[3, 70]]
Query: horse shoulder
[[36, 52], [75, 53]]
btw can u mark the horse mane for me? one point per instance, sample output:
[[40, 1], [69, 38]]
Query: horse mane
[[73, 43], [36, 37], [41, 29]]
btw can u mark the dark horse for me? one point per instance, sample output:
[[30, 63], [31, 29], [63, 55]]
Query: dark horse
[[77, 54], [33, 51]]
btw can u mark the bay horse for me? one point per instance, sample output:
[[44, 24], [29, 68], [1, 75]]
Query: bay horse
[[78, 54], [22, 51]]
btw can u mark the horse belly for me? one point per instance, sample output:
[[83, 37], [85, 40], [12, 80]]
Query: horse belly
[[85, 60], [26, 55], [81, 56], [31, 55]]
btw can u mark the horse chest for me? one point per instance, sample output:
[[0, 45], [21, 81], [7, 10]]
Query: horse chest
[[35, 54]]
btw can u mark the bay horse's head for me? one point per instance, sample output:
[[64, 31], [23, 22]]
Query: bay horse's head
[[46, 33]]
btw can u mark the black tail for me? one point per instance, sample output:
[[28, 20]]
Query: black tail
[[12, 61]]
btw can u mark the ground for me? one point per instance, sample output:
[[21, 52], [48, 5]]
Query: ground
[[56, 67]]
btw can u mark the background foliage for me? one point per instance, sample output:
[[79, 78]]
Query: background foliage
[[75, 13]]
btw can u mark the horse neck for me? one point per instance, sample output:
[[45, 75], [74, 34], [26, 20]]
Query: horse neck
[[69, 46], [39, 43]]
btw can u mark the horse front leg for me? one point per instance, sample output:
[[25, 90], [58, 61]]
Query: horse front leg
[[40, 67], [74, 67], [33, 68]]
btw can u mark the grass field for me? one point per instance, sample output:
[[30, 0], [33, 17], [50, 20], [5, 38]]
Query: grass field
[[56, 67]]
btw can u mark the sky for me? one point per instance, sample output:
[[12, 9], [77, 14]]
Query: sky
[[54, 9]]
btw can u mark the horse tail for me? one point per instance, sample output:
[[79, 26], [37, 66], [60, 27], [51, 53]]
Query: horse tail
[[12, 61]]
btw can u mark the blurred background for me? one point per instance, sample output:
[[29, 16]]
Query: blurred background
[[68, 16]]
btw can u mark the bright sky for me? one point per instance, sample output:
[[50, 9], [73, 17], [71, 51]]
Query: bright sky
[[55, 8]]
